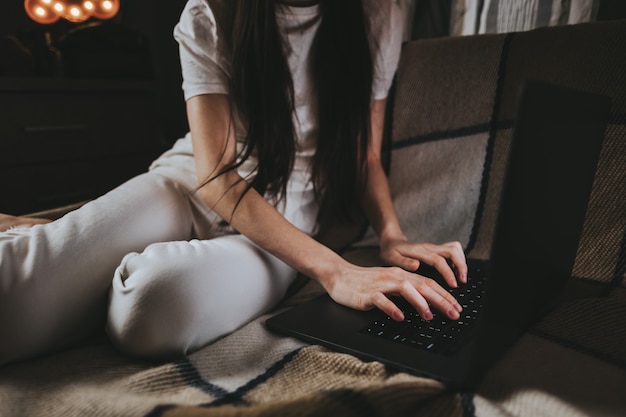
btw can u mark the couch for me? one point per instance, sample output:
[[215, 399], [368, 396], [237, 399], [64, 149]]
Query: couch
[[450, 124]]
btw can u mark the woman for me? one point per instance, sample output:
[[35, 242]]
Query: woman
[[285, 102]]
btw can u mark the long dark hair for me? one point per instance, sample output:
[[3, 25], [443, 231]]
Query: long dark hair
[[262, 93]]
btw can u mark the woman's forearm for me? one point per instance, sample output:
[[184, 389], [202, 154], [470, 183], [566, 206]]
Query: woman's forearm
[[251, 215], [377, 203]]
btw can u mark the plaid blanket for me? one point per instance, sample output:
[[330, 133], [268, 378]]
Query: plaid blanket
[[255, 373], [452, 116]]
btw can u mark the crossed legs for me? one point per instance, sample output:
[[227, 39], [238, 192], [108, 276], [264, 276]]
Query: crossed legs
[[170, 294]]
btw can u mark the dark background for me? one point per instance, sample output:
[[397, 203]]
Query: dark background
[[154, 20]]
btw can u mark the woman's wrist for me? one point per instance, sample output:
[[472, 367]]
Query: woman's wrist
[[392, 234], [328, 269]]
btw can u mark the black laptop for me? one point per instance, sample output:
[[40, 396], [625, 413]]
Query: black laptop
[[556, 143]]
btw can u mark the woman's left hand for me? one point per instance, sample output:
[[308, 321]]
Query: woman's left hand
[[447, 258]]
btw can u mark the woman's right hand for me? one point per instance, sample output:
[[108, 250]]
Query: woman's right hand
[[364, 288]]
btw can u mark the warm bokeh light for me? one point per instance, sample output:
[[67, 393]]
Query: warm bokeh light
[[41, 11], [75, 14], [49, 11], [105, 9]]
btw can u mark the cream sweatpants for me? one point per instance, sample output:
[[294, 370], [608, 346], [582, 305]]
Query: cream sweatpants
[[148, 260]]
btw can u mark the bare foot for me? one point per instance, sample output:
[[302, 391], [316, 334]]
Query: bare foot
[[7, 221]]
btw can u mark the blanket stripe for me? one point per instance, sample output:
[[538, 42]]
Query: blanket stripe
[[192, 377], [493, 129], [441, 135], [620, 268], [237, 397]]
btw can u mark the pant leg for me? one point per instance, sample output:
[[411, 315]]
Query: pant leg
[[54, 278], [176, 297]]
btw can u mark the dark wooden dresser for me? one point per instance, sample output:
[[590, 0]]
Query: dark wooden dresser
[[66, 140]]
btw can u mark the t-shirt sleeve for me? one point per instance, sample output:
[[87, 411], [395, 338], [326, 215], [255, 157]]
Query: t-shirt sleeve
[[388, 55], [203, 54]]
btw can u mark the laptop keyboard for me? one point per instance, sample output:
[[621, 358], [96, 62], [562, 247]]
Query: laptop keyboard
[[439, 334]]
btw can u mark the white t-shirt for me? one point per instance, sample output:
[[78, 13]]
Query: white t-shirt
[[205, 58]]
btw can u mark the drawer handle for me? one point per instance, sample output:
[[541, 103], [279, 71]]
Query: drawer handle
[[54, 128]]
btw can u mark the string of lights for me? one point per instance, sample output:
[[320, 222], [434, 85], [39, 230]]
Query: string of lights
[[50, 11]]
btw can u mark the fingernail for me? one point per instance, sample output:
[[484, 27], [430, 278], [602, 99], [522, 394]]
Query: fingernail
[[453, 314], [428, 315], [458, 307]]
